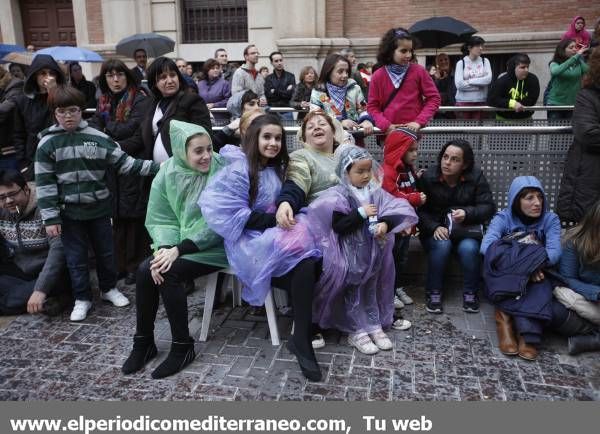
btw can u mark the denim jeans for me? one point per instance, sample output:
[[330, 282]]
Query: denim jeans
[[438, 252], [77, 237]]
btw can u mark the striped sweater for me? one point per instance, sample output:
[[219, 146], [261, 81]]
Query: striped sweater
[[70, 171]]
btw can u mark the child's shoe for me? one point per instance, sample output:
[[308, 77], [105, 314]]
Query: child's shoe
[[382, 340], [363, 343], [398, 304], [401, 324], [115, 297], [80, 310], [434, 302], [403, 296], [318, 341]]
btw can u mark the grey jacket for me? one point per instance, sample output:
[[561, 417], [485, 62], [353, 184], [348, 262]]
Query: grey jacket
[[243, 80]]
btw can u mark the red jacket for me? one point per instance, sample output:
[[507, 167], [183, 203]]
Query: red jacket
[[417, 100], [396, 177]]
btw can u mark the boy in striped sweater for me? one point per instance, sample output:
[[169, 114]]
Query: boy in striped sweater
[[70, 168]]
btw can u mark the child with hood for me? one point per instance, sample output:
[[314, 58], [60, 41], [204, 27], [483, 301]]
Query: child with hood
[[578, 33]]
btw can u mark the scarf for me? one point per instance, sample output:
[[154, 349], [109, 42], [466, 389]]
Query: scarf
[[337, 94], [396, 73], [123, 108]]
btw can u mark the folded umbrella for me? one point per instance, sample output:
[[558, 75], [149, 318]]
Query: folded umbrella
[[71, 54], [154, 44], [438, 32]]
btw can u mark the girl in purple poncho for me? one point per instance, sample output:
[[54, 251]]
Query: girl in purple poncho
[[354, 223], [240, 206]]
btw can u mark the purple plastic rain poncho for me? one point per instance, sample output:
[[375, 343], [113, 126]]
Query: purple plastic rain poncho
[[253, 255], [356, 290]]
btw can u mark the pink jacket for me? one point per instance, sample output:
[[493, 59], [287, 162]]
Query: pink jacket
[[417, 100]]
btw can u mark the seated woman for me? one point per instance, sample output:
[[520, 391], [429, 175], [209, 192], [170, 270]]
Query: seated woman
[[459, 201], [239, 204], [529, 220], [184, 248]]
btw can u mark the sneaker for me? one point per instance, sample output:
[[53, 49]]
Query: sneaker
[[363, 343], [470, 302], [434, 302], [115, 297], [403, 296], [401, 324], [382, 340], [318, 341], [398, 303], [80, 310]]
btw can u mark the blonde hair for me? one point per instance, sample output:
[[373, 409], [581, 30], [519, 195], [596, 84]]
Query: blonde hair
[[247, 118], [585, 237]]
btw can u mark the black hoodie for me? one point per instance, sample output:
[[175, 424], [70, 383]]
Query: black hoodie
[[32, 114], [507, 88]]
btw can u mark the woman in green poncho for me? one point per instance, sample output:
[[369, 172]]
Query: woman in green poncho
[[184, 248]]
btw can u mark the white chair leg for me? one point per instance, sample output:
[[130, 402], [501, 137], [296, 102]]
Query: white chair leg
[[236, 291], [272, 318], [209, 301]]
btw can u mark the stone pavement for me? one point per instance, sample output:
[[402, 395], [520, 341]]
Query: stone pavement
[[442, 357]]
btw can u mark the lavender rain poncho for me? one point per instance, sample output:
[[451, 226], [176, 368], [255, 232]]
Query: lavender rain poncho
[[253, 255], [356, 290]]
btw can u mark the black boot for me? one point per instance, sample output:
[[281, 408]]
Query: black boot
[[307, 361], [584, 343], [181, 355], [575, 325], [143, 351]]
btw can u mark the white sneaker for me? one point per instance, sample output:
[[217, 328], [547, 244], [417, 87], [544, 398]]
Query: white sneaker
[[318, 341], [382, 340], [401, 324], [363, 343], [80, 310], [403, 296], [398, 303], [115, 297]]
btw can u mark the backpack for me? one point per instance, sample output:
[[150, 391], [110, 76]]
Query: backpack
[[547, 91]]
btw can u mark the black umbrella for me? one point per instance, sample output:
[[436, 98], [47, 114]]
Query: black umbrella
[[154, 44], [437, 32]]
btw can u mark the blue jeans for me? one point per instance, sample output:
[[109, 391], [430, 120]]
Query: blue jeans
[[438, 253], [77, 237]]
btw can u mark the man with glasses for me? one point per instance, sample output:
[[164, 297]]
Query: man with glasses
[[33, 275], [247, 77]]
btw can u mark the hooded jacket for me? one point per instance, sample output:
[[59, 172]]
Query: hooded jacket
[[580, 185], [546, 227], [398, 179], [582, 38], [506, 91], [8, 98], [173, 217], [32, 114]]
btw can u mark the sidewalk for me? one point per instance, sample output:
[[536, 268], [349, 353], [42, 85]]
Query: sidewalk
[[442, 357]]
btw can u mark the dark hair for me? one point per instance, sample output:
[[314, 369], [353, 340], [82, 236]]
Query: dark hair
[[472, 42], [273, 54], [592, 78], [468, 156], [193, 136], [329, 65], [248, 96], [389, 43], [361, 66], [160, 65], [248, 48], [560, 53], [262, 68], [217, 51], [71, 65], [12, 176], [520, 59], [251, 140], [65, 96], [111, 65], [140, 49], [516, 205], [208, 65]]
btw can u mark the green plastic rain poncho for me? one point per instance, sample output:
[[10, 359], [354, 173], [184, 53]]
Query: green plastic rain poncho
[[173, 214]]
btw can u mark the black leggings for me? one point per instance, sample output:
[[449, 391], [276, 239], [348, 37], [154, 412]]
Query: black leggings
[[173, 295], [300, 283]]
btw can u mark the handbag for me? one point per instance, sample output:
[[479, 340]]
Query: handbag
[[460, 231]]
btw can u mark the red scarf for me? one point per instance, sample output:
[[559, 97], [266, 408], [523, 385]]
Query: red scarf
[[123, 109]]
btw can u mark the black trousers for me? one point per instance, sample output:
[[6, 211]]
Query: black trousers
[[172, 293]]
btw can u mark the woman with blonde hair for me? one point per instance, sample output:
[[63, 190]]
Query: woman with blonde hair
[[301, 98]]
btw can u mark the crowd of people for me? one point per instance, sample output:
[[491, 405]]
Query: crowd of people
[[161, 199]]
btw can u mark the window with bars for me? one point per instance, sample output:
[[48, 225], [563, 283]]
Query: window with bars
[[214, 21]]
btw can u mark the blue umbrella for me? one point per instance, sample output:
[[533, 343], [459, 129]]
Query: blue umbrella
[[10, 48], [154, 44], [71, 54]]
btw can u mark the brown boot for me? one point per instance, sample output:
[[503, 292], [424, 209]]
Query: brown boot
[[527, 351], [507, 342]]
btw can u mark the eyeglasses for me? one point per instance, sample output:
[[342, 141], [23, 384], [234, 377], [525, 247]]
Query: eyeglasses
[[114, 75], [5, 197], [72, 111]]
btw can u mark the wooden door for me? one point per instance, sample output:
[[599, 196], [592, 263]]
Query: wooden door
[[48, 22]]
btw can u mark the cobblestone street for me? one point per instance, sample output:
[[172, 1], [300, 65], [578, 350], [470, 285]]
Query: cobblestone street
[[442, 357]]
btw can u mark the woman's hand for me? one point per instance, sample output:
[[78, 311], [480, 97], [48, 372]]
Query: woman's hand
[[285, 216], [582, 50], [458, 215], [157, 278], [537, 276], [423, 198], [367, 127], [441, 233], [349, 124], [380, 230], [414, 126], [163, 259], [370, 210], [53, 230]]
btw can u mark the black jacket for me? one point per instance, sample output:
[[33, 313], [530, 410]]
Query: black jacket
[[580, 186], [89, 90], [32, 114], [276, 89], [472, 194], [8, 98], [507, 88]]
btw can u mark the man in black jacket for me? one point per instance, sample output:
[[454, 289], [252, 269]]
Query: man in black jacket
[[516, 89], [279, 86]]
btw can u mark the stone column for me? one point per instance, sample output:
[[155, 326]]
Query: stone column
[[10, 23]]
